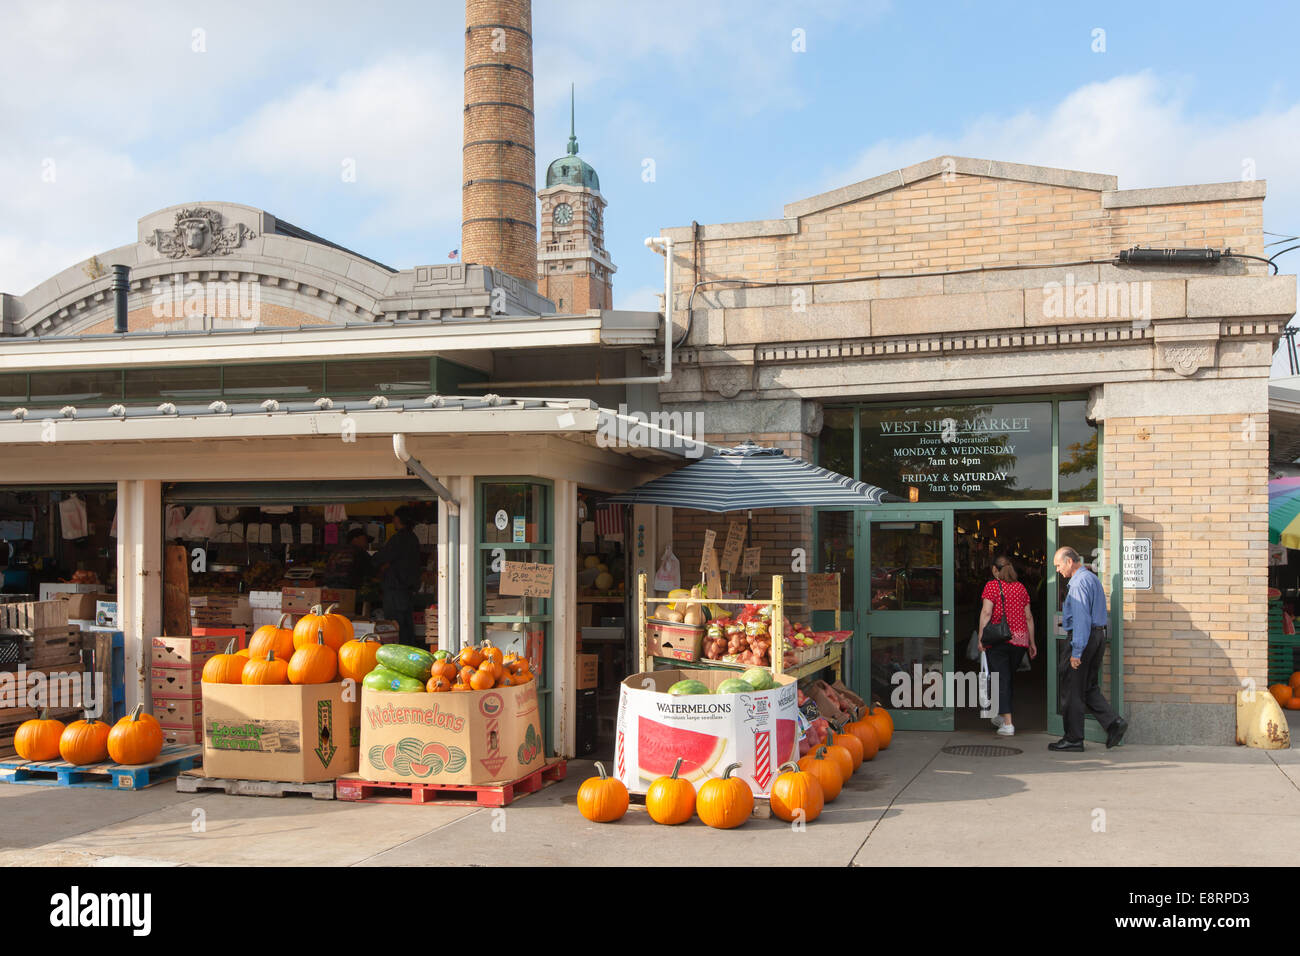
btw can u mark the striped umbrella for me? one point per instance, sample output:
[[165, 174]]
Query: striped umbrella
[[1284, 512], [749, 476]]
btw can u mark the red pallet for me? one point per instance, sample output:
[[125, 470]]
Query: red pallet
[[354, 787]]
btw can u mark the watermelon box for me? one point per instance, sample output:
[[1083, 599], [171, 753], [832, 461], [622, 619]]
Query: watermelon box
[[296, 733], [757, 730], [467, 738]]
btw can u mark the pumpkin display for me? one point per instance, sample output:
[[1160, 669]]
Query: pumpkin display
[[269, 671], [135, 739], [725, 802], [843, 759], [38, 738], [337, 628], [84, 741], [602, 799], [437, 684], [671, 800], [275, 637], [357, 657], [482, 679], [826, 771], [796, 795], [465, 673], [470, 657], [865, 731], [443, 668], [883, 723], [1282, 693], [313, 663], [850, 742], [227, 668]]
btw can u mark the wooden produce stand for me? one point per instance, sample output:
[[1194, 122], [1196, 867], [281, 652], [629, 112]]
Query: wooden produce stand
[[834, 658]]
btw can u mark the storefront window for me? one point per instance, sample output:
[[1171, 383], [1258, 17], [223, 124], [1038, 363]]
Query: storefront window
[[13, 389], [177, 384], [514, 512], [77, 387], [906, 565], [835, 448], [303, 381], [378, 377], [1078, 454]]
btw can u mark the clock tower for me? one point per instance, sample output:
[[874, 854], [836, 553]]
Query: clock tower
[[573, 267]]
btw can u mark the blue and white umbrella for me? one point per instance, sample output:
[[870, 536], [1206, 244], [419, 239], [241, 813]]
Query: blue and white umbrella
[[749, 477]]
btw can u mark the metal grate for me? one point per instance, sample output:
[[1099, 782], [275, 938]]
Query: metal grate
[[981, 750]]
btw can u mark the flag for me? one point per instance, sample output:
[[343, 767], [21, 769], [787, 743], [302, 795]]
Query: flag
[[453, 254], [609, 522]]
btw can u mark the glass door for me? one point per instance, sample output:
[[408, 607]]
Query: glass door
[[1096, 533], [905, 615]]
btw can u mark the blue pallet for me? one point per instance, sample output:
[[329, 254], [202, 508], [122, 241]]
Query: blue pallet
[[101, 776]]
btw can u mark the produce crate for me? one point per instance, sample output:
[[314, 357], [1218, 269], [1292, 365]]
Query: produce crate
[[34, 615], [101, 776], [1283, 651], [496, 794], [680, 642], [195, 781]]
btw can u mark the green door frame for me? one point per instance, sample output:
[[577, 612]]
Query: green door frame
[[914, 623], [1114, 569]]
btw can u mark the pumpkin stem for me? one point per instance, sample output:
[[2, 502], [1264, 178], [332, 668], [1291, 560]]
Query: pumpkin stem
[[45, 713], [790, 765], [135, 714], [279, 625], [821, 752], [727, 773], [329, 610], [677, 766], [600, 768], [230, 646], [270, 655], [320, 635]]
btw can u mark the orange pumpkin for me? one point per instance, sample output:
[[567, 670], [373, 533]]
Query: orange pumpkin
[[225, 668], [466, 673], [482, 679], [725, 802], [852, 743], [796, 795], [1282, 693], [84, 741], [357, 657], [471, 657], [459, 686], [841, 756], [269, 671], [38, 739], [135, 739], [671, 800], [275, 637], [338, 629], [1295, 683], [494, 654], [523, 676], [437, 684], [602, 799], [883, 723], [313, 663], [244, 652], [1293, 703], [865, 731], [445, 669], [826, 771]]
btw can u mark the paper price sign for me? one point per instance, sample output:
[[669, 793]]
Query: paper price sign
[[527, 580], [710, 536], [712, 579], [752, 558], [731, 550], [824, 592]]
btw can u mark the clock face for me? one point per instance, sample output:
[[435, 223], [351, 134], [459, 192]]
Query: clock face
[[563, 214]]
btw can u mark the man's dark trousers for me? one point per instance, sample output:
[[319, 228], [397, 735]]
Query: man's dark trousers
[[1081, 689]]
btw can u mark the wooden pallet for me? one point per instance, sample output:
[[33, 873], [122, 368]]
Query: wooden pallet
[[496, 794], [103, 776], [194, 781], [762, 807]]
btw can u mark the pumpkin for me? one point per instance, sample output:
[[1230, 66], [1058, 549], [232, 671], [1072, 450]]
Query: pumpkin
[[883, 723], [511, 662], [471, 657], [225, 668], [273, 636], [725, 802], [826, 771], [1282, 693], [441, 668], [314, 663], [1293, 703], [465, 673], [482, 679], [38, 738], [244, 652], [1295, 684], [602, 799], [437, 684], [507, 680], [796, 795], [459, 686], [523, 675], [269, 671], [357, 658], [840, 755], [494, 654], [671, 800], [865, 731], [338, 629], [84, 741], [135, 739], [850, 742]]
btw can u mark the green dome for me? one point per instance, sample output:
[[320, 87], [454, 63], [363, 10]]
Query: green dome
[[571, 170]]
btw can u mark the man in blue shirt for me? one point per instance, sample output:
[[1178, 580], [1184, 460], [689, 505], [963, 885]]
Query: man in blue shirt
[[1086, 620]]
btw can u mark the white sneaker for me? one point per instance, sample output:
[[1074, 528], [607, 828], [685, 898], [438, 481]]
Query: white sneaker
[[1006, 730], [997, 720]]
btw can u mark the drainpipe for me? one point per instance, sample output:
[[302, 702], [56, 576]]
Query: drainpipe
[[415, 467], [121, 285], [667, 375]]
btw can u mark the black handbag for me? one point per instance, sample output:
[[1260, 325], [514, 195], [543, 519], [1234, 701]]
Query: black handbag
[[1000, 632]]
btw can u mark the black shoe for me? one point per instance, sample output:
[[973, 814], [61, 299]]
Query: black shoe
[[1063, 744], [1116, 732]]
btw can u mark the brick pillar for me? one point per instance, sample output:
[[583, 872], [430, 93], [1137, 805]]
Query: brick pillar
[[498, 199]]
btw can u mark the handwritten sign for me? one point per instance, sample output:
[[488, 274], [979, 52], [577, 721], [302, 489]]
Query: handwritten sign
[[731, 550], [712, 579], [824, 592], [528, 580], [752, 558], [710, 536]]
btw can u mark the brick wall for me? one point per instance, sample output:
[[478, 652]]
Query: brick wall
[[140, 320], [1197, 487]]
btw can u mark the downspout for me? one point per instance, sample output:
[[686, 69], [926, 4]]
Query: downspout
[[415, 467], [667, 375]]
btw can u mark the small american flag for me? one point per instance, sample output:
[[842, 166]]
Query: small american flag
[[453, 254], [609, 521]]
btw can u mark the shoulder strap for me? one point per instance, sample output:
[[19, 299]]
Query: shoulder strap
[[1002, 595]]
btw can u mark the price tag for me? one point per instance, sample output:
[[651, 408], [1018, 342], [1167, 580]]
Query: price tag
[[752, 558], [731, 550], [710, 536], [527, 580], [712, 579], [824, 592]]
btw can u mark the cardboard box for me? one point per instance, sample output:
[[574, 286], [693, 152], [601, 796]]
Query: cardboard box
[[681, 642], [51, 592], [759, 731], [296, 600], [185, 652], [298, 733], [583, 615], [473, 737], [825, 706], [106, 614], [179, 712], [588, 671], [265, 600], [175, 737], [81, 604], [172, 682]]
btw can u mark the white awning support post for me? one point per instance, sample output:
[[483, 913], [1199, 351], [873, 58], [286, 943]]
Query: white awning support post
[[139, 583]]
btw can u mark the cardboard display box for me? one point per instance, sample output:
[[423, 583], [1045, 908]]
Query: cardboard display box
[[681, 642], [175, 737], [301, 600], [180, 712], [173, 682], [186, 652], [50, 592], [297, 733], [759, 731], [81, 604], [472, 737]]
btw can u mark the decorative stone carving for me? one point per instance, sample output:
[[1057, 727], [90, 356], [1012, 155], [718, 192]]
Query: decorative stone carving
[[199, 232], [1187, 358], [728, 380]]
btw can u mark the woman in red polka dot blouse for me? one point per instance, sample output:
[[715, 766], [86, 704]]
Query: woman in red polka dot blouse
[[1010, 599]]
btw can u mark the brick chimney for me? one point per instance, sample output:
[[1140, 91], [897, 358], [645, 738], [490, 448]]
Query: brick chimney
[[499, 204]]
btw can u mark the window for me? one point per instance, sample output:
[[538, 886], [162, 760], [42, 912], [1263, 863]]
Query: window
[[377, 377], [301, 381], [1077, 454], [13, 389], [77, 387], [174, 384]]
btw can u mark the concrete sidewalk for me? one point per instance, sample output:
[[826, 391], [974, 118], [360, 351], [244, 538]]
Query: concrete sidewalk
[[914, 805]]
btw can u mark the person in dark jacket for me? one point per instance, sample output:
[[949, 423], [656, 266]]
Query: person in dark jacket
[[401, 563]]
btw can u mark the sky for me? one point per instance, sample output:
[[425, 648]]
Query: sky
[[705, 110]]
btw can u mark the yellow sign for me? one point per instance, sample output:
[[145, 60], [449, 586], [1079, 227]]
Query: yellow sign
[[528, 580]]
